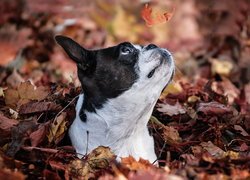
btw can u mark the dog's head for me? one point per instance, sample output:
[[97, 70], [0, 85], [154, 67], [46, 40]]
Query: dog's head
[[107, 73]]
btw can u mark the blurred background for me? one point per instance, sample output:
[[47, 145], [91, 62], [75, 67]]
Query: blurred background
[[207, 38], [208, 100]]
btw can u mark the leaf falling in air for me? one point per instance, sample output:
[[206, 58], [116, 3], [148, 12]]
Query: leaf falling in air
[[155, 18]]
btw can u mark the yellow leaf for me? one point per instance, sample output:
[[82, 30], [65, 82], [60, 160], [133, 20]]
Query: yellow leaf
[[97, 159], [173, 88], [231, 154], [221, 67], [57, 128]]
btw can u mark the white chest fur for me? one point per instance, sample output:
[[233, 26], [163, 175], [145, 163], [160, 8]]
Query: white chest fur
[[120, 124]]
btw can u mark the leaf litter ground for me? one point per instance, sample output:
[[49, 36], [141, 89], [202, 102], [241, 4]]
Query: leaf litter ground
[[201, 123]]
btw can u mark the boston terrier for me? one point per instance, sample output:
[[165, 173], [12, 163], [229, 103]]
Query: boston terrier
[[121, 85]]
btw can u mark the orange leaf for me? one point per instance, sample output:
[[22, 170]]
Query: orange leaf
[[158, 18]]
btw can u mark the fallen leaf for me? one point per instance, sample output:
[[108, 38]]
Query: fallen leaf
[[241, 130], [244, 147], [221, 67], [231, 154], [152, 175], [19, 134], [24, 93], [173, 88], [28, 91], [171, 135], [190, 159], [171, 109], [39, 135], [193, 99], [35, 107], [132, 164], [6, 124], [240, 173], [212, 149], [99, 158], [156, 18], [11, 97], [226, 88], [47, 174], [213, 108], [13, 113], [57, 129], [247, 93], [8, 174], [14, 79]]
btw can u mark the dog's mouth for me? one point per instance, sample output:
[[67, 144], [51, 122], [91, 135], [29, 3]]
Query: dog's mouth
[[151, 73], [163, 57]]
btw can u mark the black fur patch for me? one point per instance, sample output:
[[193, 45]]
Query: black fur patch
[[113, 74], [104, 73]]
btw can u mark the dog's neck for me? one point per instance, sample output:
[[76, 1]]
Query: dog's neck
[[121, 120], [122, 116]]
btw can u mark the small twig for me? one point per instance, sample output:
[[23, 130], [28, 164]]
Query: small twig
[[66, 107], [161, 151]]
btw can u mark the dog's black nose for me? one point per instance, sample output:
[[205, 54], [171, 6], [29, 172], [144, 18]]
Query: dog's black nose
[[151, 46]]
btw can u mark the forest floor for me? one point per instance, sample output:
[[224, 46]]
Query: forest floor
[[201, 123]]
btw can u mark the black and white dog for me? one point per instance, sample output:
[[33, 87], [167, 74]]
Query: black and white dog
[[121, 85]]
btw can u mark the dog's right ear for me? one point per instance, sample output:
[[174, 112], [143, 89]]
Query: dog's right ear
[[74, 50]]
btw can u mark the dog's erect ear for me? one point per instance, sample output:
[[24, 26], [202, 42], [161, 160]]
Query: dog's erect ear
[[74, 50]]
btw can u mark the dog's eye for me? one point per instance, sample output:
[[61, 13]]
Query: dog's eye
[[126, 50]]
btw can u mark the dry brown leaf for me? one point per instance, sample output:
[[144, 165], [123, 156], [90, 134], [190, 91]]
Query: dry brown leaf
[[190, 159], [9, 174], [57, 129], [14, 79], [247, 93], [171, 135], [213, 108], [241, 130], [226, 88], [38, 136], [171, 109], [132, 164], [28, 91], [11, 97], [24, 94], [240, 173], [35, 107], [99, 158], [152, 175], [6, 123], [213, 150]]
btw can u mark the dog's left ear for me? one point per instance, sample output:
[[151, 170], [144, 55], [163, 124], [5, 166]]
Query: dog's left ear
[[75, 51]]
